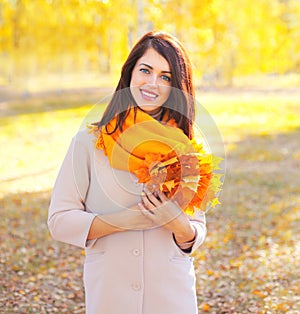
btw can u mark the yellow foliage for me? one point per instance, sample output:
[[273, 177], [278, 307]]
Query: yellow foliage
[[224, 38]]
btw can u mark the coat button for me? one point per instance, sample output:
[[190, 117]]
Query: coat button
[[136, 252], [136, 286]]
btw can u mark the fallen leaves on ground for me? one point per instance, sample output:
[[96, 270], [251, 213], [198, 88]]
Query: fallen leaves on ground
[[249, 263]]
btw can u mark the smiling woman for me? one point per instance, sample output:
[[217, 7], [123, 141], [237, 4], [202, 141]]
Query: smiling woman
[[137, 241], [151, 81], [162, 58]]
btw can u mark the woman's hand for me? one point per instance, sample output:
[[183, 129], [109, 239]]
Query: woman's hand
[[163, 212], [129, 219]]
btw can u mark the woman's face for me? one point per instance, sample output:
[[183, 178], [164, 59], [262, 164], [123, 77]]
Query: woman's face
[[150, 83]]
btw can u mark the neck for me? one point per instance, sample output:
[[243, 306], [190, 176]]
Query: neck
[[155, 114]]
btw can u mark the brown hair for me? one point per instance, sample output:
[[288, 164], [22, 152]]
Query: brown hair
[[180, 104]]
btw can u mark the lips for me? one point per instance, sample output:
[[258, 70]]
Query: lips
[[148, 95]]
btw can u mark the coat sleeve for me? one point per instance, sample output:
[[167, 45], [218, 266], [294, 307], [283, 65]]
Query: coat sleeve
[[199, 223], [68, 221]]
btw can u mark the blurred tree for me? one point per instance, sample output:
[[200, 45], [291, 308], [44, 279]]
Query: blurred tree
[[291, 18], [224, 38]]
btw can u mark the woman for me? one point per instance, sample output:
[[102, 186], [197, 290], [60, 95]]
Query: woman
[[137, 240]]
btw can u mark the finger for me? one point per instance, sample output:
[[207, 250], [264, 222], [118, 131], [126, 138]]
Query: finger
[[145, 211], [151, 198], [165, 199], [162, 196], [146, 202]]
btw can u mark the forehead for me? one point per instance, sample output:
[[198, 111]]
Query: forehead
[[154, 59]]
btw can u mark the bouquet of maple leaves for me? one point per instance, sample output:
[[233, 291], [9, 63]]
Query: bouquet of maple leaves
[[189, 179]]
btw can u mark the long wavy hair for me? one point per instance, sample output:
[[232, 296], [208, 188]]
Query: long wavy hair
[[180, 104]]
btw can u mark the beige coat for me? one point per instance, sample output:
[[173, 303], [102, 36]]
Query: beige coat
[[132, 272]]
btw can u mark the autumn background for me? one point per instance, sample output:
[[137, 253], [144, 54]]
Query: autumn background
[[60, 57]]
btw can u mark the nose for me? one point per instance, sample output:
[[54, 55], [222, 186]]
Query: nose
[[153, 80]]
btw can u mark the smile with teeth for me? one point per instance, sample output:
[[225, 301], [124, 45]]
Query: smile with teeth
[[149, 94]]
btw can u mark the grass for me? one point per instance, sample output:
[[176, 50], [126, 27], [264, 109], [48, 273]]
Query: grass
[[251, 258]]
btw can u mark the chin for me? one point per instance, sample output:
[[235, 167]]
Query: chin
[[150, 108]]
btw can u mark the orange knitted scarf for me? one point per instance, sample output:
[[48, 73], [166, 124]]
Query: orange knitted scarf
[[161, 156]]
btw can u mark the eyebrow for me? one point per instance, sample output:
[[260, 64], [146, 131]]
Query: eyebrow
[[149, 66]]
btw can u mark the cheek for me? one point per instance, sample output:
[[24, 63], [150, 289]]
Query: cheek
[[166, 90], [136, 79], [133, 78], [132, 81], [134, 92]]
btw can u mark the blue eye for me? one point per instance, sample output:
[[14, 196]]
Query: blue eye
[[144, 71], [166, 78]]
